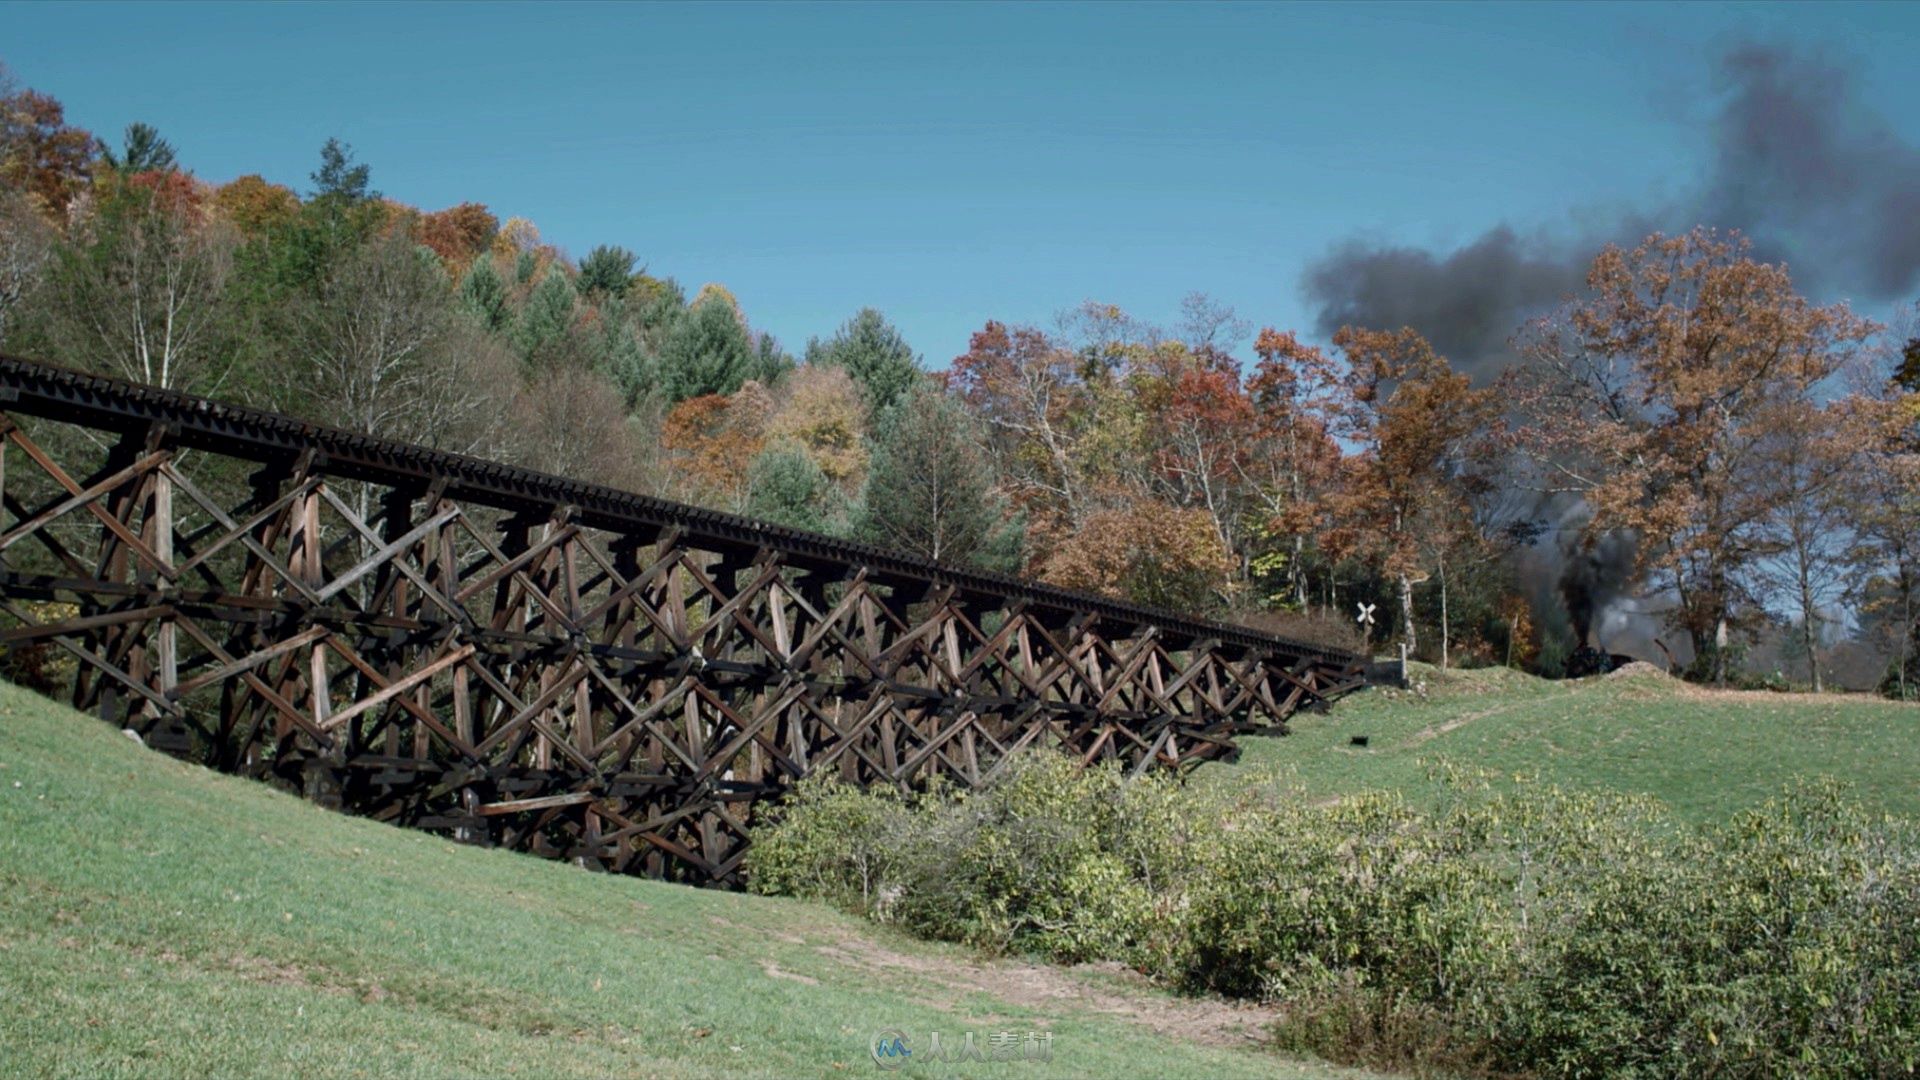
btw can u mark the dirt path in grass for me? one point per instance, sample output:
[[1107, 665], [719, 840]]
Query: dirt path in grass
[[1433, 731], [1102, 989]]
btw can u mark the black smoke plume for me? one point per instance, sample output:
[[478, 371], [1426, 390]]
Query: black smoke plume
[[1466, 302], [1803, 166], [1593, 578], [1797, 162]]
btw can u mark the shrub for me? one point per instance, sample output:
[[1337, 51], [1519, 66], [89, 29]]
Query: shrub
[[1052, 858], [834, 842], [1511, 929]]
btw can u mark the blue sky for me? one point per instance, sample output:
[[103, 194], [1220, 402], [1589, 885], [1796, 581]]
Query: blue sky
[[953, 164]]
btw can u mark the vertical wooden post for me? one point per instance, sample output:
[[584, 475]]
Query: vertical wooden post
[[166, 639], [322, 782]]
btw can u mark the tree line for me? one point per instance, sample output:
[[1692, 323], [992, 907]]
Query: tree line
[[1742, 460]]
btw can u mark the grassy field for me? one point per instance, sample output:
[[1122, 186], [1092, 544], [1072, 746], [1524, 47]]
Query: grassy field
[[158, 919], [1706, 753]]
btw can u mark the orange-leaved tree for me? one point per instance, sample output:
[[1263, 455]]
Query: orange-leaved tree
[[1147, 552], [1657, 397], [42, 155], [1424, 440], [712, 441], [1197, 428], [1293, 461], [1026, 389]]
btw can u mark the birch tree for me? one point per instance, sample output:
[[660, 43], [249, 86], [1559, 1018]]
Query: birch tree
[[139, 288]]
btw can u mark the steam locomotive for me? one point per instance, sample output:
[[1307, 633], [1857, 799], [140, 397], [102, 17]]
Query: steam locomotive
[[1587, 660]]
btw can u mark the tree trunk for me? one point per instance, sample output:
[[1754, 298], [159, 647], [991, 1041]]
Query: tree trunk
[[1406, 615], [1808, 616], [1443, 615], [1300, 571], [1807, 641], [1720, 639], [1907, 635], [1813, 660]]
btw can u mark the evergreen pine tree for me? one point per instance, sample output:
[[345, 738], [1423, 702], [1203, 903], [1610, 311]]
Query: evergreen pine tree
[[770, 361], [338, 178], [607, 271], [142, 150], [296, 256], [548, 314], [874, 353], [929, 489], [707, 352], [484, 296], [625, 354], [786, 487]]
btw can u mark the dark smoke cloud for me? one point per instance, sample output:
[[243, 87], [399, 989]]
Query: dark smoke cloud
[[1802, 164], [1467, 302], [1593, 582], [1798, 163]]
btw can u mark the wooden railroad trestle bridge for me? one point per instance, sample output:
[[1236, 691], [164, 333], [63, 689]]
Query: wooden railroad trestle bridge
[[519, 659]]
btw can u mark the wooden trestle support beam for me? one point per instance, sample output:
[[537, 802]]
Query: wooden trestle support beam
[[521, 660]]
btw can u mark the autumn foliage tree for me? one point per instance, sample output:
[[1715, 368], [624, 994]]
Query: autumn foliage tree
[[713, 440], [1293, 466], [1145, 553], [1199, 430], [459, 234], [255, 206], [1025, 388], [1657, 397], [1423, 436], [41, 155], [822, 413], [1883, 493]]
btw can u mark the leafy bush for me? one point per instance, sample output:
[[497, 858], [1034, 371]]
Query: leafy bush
[[1053, 858], [1518, 929], [835, 843]]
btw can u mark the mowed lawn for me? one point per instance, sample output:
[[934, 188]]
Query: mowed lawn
[[157, 919], [1706, 753]]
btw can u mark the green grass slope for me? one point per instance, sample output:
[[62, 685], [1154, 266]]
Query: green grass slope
[[158, 919], [1706, 753]]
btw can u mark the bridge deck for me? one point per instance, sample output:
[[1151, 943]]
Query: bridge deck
[[527, 660]]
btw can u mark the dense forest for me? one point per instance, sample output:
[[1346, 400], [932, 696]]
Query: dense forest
[[1691, 461]]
